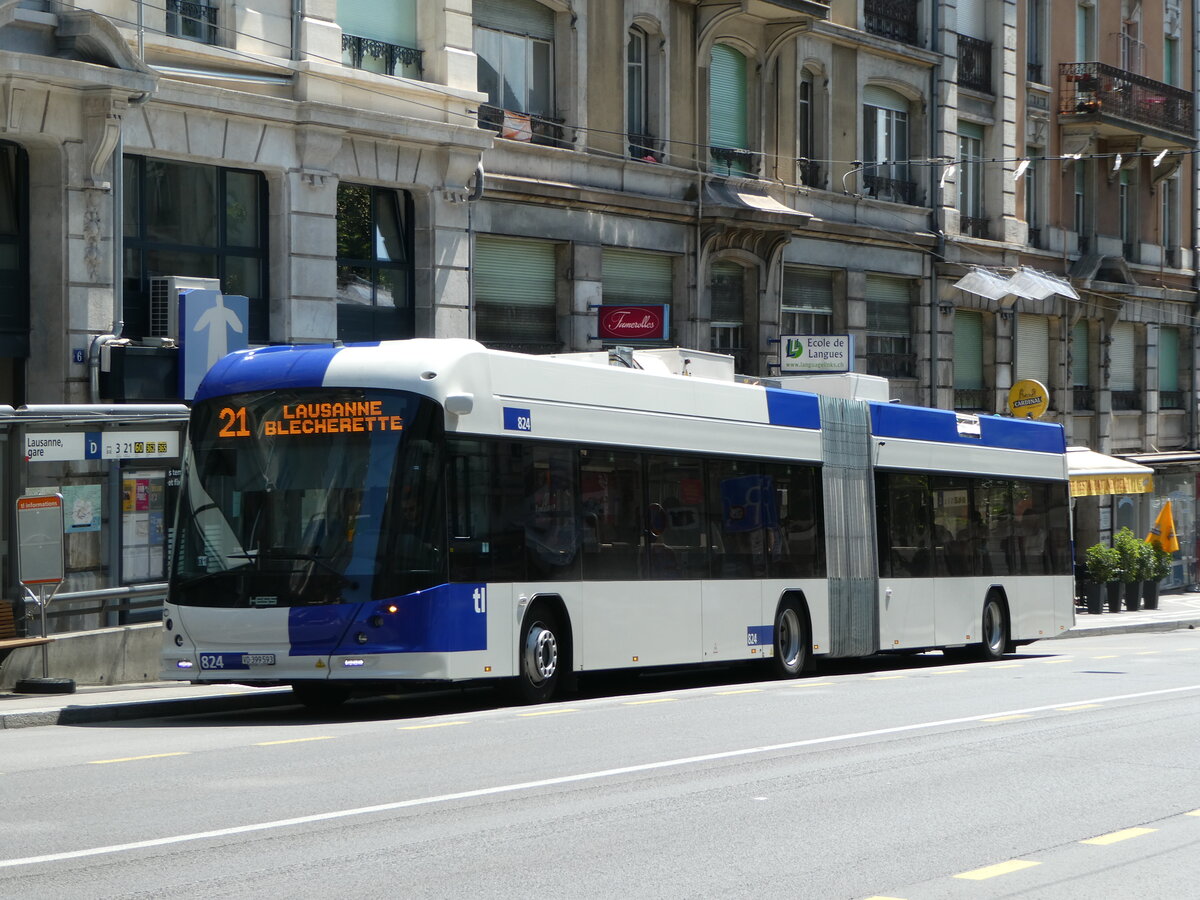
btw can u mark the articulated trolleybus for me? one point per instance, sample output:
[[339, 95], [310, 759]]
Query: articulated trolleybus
[[434, 511]]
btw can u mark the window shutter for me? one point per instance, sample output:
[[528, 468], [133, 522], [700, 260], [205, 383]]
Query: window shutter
[[728, 290], [515, 300], [889, 305], [1122, 358], [968, 350], [972, 18], [884, 98], [727, 99], [526, 17], [390, 21], [807, 290], [1081, 356], [633, 276], [1168, 359], [1033, 348]]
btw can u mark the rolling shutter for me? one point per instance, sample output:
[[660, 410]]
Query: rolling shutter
[[807, 290], [1168, 359], [1033, 348], [889, 305], [526, 17], [968, 350], [1081, 356], [1122, 358], [390, 21], [634, 276], [727, 99], [515, 296], [972, 19]]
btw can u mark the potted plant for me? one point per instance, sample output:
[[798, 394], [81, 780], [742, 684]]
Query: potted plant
[[1103, 568], [1157, 569], [1129, 548]]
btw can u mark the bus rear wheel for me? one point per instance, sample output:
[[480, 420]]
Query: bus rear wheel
[[791, 642], [539, 658], [993, 630]]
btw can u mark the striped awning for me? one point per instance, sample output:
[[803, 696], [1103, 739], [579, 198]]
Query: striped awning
[[1095, 474]]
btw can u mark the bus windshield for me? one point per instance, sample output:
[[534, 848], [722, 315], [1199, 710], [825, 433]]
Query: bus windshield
[[306, 497]]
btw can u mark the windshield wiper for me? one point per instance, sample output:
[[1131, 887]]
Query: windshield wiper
[[318, 561]]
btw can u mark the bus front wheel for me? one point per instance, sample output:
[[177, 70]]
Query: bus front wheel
[[993, 630], [540, 660], [791, 642]]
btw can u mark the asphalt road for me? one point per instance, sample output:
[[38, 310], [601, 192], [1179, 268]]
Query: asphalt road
[[1072, 770]]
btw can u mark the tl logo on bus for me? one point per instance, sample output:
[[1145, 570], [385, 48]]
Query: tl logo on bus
[[480, 597]]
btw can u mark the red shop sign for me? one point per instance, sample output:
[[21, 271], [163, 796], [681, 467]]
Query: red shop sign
[[634, 323]]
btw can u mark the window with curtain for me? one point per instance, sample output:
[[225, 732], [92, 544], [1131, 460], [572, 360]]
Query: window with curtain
[[1170, 394], [970, 180], [1081, 367], [885, 146], [514, 48], [374, 263], [969, 387], [728, 129], [889, 326], [380, 36], [516, 294], [1122, 367], [807, 301]]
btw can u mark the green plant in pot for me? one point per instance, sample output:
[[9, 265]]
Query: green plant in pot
[[1158, 568], [1103, 567], [1129, 547]]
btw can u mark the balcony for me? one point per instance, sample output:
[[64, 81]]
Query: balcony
[[894, 189], [736, 162], [1095, 92], [1125, 401], [894, 19], [973, 226], [193, 21], [545, 131], [809, 173], [975, 64], [1083, 398], [892, 365], [645, 147], [972, 399], [1170, 400], [381, 57]]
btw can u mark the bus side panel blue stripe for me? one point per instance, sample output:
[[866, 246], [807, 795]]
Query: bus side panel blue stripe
[[793, 409], [275, 367], [317, 630], [939, 425]]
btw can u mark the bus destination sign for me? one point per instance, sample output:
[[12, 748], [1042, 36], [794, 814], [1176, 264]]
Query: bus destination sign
[[312, 418]]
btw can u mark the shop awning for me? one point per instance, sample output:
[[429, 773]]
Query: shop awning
[[1095, 474]]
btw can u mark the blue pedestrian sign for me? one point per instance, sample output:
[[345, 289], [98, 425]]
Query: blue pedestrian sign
[[211, 325]]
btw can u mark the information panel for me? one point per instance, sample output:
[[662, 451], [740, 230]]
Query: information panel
[[40, 539]]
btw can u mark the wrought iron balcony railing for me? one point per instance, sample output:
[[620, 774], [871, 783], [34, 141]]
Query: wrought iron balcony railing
[[975, 63], [389, 59], [732, 159], [809, 172], [1083, 398], [1092, 90], [973, 226], [194, 21], [896, 190], [1126, 400], [972, 398], [895, 19], [892, 365], [1033, 72], [1170, 399]]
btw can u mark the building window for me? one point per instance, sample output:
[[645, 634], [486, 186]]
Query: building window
[[889, 326], [885, 146], [1033, 195], [195, 220], [809, 172], [1085, 33], [1035, 38], [514, 47], [1171, 60], [516, 305], [374, 263], [970, 390], [636, 277], [972, 220], [195, 21], [1127, 213], [14, 260], [729, 145], [1081, 367], [1033, 349], [1168, 190], [640, 97], [380, 36], [807, 301], [1170, 396], [1122, 367], [727, 289], [1082, 205]]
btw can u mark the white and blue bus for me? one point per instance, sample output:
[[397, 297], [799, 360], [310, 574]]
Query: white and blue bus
[[434, 511]]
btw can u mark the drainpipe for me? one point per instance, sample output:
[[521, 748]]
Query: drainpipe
[[296, 19], [935, 192]]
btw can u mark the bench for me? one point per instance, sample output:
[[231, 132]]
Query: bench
[[8, 631]]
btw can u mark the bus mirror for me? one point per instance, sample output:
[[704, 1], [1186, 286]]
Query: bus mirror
[[459, 404]]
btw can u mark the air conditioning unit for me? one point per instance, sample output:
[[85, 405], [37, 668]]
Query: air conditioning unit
[[164, 303]]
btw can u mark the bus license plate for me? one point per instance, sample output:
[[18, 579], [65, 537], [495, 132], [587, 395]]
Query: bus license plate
[[220, 661]]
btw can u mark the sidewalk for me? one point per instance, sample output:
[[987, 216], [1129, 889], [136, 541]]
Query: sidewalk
[[107, 703]]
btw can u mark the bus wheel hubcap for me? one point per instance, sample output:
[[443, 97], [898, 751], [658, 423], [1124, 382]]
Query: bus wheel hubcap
[[541, 653]]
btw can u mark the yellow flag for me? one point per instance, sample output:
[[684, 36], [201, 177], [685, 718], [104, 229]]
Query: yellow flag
[[1162, 532]]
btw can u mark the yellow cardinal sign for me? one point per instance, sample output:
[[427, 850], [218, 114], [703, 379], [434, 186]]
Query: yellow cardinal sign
[[1028, 399]]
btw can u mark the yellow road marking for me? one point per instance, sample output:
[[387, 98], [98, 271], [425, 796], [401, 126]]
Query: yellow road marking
[[655, 700], [1123, 835], [546, 712], [746, 691], [1051, 662], [293, 741], [1081, 706], [431, 725], [1004, 868], [1146, 653], [1194, 812], [101, 762], [1006, 718]]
